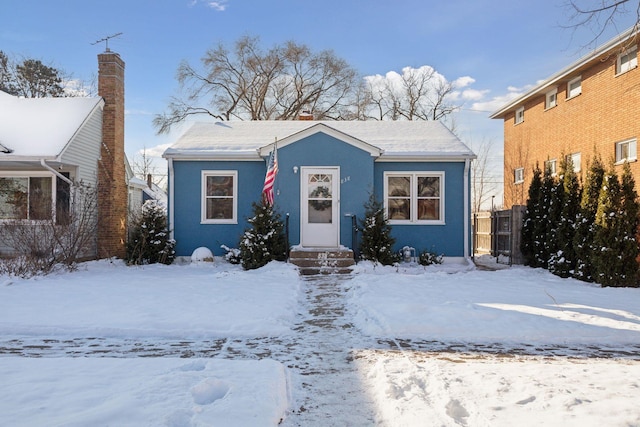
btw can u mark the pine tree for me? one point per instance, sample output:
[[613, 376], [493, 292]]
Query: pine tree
[[606, 258], [551, 243], [628, 230], [376, 244], [562, 262], [543, 224], [531, 218], [583, 241], [149, 242], [265, 241]]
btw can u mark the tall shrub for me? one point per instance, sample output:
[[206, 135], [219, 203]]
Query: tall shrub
[[532, 217], [377, 243], [583, 240], [562, 262], [606, 258], [628, 230], [149, 242], [265, 240]]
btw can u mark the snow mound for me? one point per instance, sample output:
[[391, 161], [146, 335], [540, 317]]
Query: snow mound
[[202, 254], [209, 390]]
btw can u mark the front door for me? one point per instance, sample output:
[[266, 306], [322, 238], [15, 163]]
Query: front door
[[320, 223]]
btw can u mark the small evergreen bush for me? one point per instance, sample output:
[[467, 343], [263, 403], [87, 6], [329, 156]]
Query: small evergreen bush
[[377, 244], [149, 242], [429, 257], [265, 241]]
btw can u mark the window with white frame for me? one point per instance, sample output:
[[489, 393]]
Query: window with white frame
[[519, 115], [627, 60], [518, 175], [551, 99], [626, 151], [575, 159], [27, 196], [414, 197], [574, 87], [551, 166], [219, 197]]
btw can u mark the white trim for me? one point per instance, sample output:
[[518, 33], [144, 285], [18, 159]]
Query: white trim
[[631, 62], [203, 197], [467, 214], [323, 128], [633, 151], [172, 200], [579, 88], [614, 43], [306, 233], [34, 174], [519, 116], [551, 99], [516, 179], [413, 198]]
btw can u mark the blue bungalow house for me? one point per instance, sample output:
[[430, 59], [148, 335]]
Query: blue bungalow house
[[327, 170]]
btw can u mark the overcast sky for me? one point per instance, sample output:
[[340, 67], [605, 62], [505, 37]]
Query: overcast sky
[[499, 47]]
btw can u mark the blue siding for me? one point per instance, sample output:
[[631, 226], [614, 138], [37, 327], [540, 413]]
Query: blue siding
[[188, 231], [359, 176], [447, 239], [356, 173]]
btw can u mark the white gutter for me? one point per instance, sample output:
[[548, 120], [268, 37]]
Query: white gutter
[[55, 172], [171, 198], [467, 164]]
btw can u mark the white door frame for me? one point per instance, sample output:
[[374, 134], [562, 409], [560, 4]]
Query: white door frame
[[325, 232]]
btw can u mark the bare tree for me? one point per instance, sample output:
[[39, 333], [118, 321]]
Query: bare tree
[[143, 166], [61, 236], [485, 181], [416, 94], [598, 15], [250, 83]]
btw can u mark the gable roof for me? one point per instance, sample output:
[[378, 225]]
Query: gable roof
[[385, 140], [37, 128], [570, 71]]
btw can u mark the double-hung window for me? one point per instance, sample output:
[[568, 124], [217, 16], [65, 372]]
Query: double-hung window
[[576, 159], [519, 118], [626, 151], [574, 87], [518, 175], [551, 99], [414, 197], [627, 60], [219, 197], [26, 196], [551, 166]]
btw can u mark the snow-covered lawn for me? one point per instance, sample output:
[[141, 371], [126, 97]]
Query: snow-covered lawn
[[448, 304]]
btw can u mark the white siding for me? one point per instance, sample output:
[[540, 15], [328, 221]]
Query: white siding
[[84, 149]]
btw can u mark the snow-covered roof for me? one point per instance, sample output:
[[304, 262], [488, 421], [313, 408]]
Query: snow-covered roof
[[36, 128], [383, 139]]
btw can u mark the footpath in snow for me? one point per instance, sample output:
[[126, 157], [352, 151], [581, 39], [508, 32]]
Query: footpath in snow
[[214, 345]]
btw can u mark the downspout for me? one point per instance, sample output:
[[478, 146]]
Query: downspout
[[467, 164], [55, 172], [171, 199]]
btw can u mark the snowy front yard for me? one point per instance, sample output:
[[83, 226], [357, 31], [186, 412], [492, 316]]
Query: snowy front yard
[[513, 308]]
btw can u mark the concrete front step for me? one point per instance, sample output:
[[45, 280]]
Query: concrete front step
[[322, 261]]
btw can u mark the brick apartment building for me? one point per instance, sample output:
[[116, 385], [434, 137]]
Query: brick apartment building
[[592, 105]]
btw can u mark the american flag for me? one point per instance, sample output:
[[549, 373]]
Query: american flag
[[270, 177]]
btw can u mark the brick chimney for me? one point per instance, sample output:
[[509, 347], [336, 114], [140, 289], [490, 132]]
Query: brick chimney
[[305, 115], [112, 186]]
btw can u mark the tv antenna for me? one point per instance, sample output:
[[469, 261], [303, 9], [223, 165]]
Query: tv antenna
[[106, 41]]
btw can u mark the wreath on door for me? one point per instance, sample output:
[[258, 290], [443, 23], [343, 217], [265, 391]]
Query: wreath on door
[[322, 193]]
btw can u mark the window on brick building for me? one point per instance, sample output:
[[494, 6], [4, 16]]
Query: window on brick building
[[626, 151], [551, 99], [519, 115], [627, 60], [575, 158], [574, 87], [551, 166], [518, 175]]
